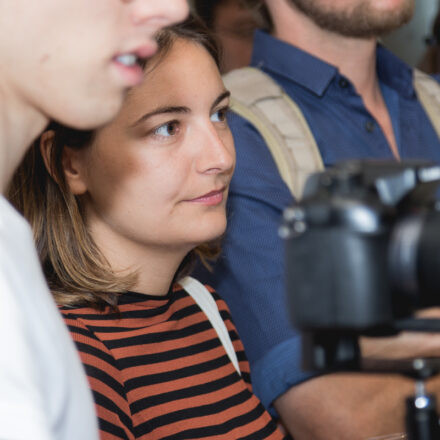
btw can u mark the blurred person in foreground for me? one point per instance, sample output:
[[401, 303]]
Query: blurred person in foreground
[[73, 61]]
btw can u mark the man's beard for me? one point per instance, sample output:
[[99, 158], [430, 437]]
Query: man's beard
[[362, 20]]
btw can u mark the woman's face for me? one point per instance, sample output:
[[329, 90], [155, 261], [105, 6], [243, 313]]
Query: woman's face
[[72, 60], [158, 175]]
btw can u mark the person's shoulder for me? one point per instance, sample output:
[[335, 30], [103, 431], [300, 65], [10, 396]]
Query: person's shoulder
[[221, 304], [81, 320], [79, 316], [238, 123], [85, 325], [14, 229], [7, 212], [426, 86], [20, 271], [436, 77], [17, 249], [180, 287], [72, 319], [418, 72]]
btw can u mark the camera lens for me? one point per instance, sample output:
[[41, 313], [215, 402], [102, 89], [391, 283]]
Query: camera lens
[[428, 262], [414, 261]]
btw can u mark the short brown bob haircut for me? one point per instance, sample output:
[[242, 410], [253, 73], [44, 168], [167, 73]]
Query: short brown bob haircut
[[77, 272]]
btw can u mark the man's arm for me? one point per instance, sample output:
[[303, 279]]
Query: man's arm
[[359, 406], [345, 406]]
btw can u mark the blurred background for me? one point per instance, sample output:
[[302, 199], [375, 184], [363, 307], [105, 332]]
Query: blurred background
[[417, 43], [409, 42]]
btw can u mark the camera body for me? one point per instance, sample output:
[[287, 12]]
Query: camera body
[[362, 254], [362, 247]]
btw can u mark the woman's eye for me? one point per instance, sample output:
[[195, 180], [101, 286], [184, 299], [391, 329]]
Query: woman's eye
[[168, 129], [220, 115]]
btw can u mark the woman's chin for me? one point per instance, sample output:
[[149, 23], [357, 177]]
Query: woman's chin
[[205, 235]]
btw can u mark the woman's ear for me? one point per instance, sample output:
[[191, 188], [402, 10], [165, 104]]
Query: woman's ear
[[71, 162], [46, 144]]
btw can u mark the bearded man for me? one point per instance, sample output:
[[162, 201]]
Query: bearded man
[[359, 102]]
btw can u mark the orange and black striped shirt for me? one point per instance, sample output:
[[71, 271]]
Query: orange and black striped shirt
[[158, 371]]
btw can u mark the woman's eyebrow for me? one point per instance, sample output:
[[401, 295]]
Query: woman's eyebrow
[[178, 109], [220, 98], [160, 110]]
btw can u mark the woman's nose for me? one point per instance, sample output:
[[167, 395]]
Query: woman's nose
[[218, 153]]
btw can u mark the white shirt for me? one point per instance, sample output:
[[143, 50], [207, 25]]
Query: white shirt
[[43, 389]]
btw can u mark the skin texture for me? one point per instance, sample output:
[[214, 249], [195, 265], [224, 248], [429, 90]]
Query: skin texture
[[57, 61], [360, 18], [348, 406], [69, 47], [142, 179]]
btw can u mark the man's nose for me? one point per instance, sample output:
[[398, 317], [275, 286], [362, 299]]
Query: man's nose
[[159, 13]]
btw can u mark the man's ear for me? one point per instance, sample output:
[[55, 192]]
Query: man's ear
[[71, 163]]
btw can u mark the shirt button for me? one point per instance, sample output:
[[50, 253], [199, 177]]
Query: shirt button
[[343, 83], [369, 126]]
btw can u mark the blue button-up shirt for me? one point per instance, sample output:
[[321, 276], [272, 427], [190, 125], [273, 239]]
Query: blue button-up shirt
[[249, 274]]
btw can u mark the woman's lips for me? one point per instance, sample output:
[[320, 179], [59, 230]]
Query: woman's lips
[[211, 198]]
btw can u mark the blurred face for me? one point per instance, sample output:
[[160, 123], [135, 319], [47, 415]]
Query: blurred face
[[73, 60], [157, 177], [234, 26], [357, 18]]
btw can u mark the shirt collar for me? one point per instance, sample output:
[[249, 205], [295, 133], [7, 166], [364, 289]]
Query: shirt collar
[[394, 72], [273, 55]]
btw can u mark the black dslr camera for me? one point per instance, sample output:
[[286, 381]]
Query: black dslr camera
[[363, 247], [362, 254]]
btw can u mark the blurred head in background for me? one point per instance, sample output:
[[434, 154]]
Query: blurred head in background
[[233, 23], [430, 62]]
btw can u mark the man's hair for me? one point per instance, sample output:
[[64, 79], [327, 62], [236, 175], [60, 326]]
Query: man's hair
[[76, 270]]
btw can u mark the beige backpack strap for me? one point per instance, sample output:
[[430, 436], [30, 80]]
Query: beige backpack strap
[[261, 101], [428, 92]]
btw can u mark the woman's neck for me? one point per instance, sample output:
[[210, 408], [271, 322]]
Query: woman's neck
[[20, 124], [157, 272], [155, 266]]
